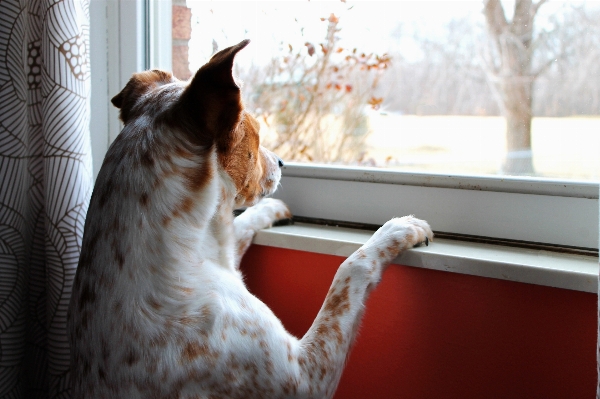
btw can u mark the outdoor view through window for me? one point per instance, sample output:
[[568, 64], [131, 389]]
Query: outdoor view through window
[[479, 87]]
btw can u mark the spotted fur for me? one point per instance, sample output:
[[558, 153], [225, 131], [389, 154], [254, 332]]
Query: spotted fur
[[159, 308]]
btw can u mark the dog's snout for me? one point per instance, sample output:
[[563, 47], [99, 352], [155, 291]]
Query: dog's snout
[[280, 162]]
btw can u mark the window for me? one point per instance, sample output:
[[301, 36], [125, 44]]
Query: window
[[444, 167], [419, 86]]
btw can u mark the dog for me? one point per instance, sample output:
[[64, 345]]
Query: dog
[[159, 308]]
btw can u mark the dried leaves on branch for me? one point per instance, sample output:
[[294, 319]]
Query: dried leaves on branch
[[313, 99]]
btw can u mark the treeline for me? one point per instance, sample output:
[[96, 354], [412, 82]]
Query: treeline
[[450, 77]]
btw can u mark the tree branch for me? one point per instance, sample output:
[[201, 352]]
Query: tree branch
[[544, 67], [536, 6], [522, 14], [494, 14]]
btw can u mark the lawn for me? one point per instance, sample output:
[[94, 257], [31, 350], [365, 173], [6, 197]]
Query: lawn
[[562, 147]]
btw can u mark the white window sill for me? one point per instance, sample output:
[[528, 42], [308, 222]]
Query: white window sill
[[573, 272]]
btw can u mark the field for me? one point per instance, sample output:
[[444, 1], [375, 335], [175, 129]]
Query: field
[[562, 147]]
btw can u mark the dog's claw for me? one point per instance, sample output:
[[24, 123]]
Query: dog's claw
[[426, 241], [284, 222]]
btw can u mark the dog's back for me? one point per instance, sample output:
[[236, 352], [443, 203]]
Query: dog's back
[[157, 289]]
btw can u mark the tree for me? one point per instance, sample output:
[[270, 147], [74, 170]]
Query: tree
[[447, 79], [451, 76], [512, 77]]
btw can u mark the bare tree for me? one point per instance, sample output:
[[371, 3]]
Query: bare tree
[[453, 77], [510, 72], [571, 86], [447, 80]]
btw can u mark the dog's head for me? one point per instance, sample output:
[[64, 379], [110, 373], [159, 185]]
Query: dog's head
[[208, 110]]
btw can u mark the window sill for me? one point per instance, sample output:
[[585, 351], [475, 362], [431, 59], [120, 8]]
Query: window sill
[[573, 272]]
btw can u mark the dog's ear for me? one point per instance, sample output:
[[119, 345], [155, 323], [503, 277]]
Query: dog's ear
[[213, 99], [139, 84], [117, 100]]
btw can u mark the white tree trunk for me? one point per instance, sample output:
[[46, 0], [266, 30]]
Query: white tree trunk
[[510, 67]]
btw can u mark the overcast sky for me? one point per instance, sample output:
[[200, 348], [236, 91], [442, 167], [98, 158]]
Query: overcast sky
[[370, 26]]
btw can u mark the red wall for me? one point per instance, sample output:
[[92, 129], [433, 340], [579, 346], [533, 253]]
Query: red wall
[[432, 334]]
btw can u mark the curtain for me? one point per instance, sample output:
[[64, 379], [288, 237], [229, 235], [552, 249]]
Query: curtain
[[45, 185]]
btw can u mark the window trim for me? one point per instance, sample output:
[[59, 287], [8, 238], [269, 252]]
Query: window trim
[[500, 183], [532, 210], [118, 49], [566, 271], [553, 212]]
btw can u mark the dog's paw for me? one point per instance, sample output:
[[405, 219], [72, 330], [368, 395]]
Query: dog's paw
[[271, 210], [422, 229], [395, 236], [264, 214]]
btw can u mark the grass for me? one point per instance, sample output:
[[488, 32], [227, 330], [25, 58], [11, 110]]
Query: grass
[[566, 148]]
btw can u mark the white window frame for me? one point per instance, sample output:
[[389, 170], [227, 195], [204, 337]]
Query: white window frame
[[559, 213], [119, 48], [506, 208]]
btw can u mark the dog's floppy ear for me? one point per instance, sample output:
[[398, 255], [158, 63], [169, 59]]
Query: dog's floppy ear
[[213, 99], [139, 84], [117, 100]]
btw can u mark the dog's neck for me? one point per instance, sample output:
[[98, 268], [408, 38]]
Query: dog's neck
[[179, 227], [221, 223], [212, 220]]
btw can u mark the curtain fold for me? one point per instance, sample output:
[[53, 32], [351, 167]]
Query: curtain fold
[[46, 182]]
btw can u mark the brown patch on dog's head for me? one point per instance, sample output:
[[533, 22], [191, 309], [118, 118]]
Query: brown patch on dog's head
[[139, 84], [248, 164]]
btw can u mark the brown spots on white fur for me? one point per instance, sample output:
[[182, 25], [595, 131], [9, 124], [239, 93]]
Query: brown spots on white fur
[[193, 350], [159, 308], [184, 207], [144, 199], [195, 178], [338, 302], [154, 303], [131, 357], [185, 290], [87, 296]]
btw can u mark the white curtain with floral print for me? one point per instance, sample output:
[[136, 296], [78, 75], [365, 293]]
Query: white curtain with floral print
[[45, 185]]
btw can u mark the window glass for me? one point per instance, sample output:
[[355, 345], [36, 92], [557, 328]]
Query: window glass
[[461, 87]]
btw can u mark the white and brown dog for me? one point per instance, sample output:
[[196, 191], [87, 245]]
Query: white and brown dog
[[159, 307]]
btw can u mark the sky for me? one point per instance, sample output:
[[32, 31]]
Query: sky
[[370, 26], [365, 24]]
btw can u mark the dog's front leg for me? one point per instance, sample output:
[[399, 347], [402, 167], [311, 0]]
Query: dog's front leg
[[328, 341], [255, 218]]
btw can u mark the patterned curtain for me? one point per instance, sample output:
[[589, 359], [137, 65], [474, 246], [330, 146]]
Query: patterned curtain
[[45, 185]]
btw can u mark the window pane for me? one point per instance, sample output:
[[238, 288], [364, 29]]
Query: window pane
[[435, 86]]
